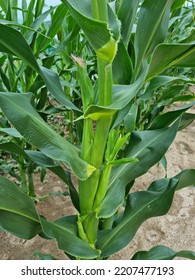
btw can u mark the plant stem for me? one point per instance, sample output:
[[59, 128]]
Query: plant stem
[[87, 192], [31, 186], [104, 82], [21, 168], [87, 140], [100, 140], [92, 190]]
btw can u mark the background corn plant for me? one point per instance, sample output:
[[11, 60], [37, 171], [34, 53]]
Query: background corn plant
[[52, 35], [124, 129]]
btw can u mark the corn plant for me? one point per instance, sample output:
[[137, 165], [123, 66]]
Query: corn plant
[[17, 76], [132, 56]]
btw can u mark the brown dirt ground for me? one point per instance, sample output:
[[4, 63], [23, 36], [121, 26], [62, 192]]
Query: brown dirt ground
[[175, 230]]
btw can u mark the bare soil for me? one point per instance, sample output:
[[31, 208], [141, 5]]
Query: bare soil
[[175, 230]]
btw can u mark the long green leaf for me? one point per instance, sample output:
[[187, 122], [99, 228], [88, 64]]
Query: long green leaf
[[64, 231], [186, 178], [21, 49], [17, 211], [140, 206], [168, 55], [127, 13], [167, 118], [4, 5], [122, 96], [18, 216], [42, 160], [96, 31], [53, 84], [177, 4], [12, 147], [56, 23], [151, 29], [162, 253], [160, 81], [102, 36], [37, 24], [122, 66], [186, 120], [20, 112], [10, 131]]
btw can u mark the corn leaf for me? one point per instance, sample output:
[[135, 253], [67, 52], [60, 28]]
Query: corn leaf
[[37, 24], [151, 29], [20, 112], [17, 211], [167, 118], [122, 96], [160, 81], [122, 66], [186, 120], [140, 206], [21, 49], [168, 55], [19, 217], [53, 84], [177, 4], [10, 131], [101, 36], [56, 23], [162, 253], [64, 231], [42, 160], [127, 13], [12, 147]]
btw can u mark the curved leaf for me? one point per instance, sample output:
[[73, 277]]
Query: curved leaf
[[46, 162], [21, 49], [151, 29], [64, 231], [12, 147], [140, 206], [17, 211], [11, 131], [96, 31], [52, 82], [102, 36], [20, 112], [162, 253], [167, 118], [122, 96], [127, 13], [160, 81], [44, 256], [168, 55], [122, 66], [187, 119], [186, 178]]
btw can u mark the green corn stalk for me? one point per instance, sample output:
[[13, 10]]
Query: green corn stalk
[[92, 190], [125, 131]]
